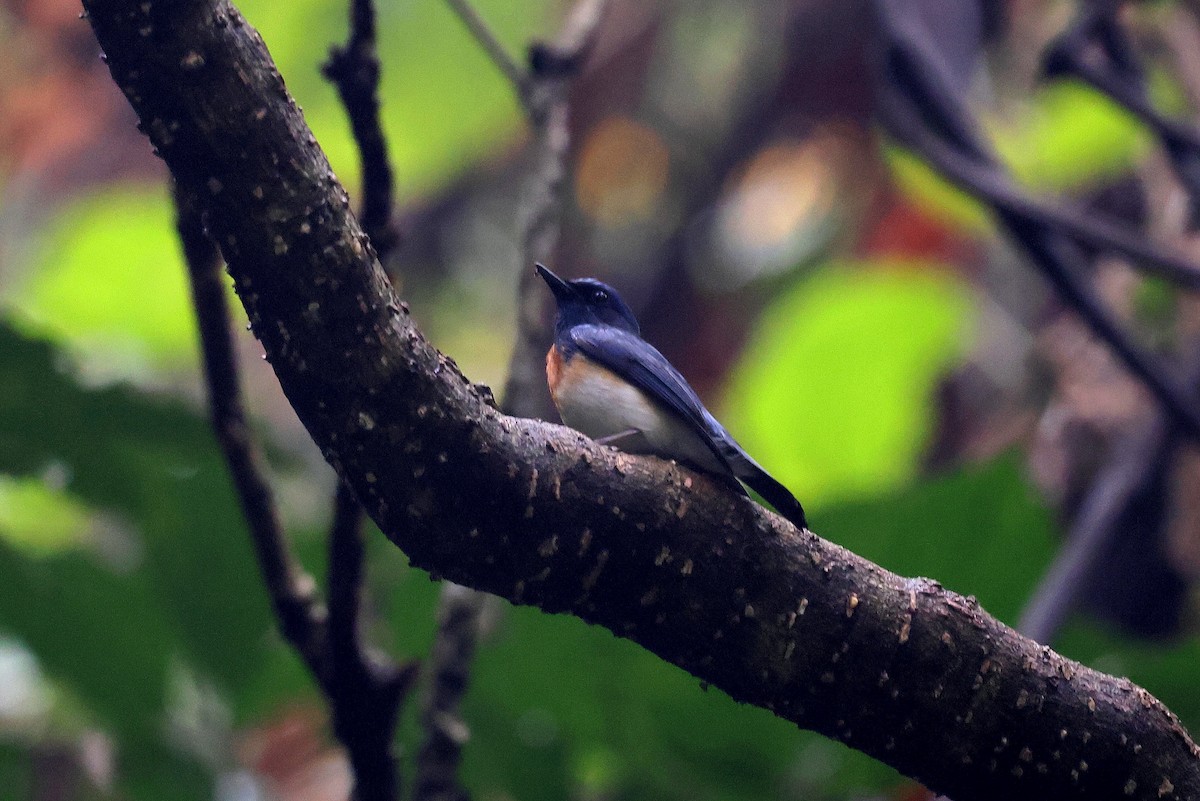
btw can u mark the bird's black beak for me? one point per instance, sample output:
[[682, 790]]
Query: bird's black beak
[[561, 289]]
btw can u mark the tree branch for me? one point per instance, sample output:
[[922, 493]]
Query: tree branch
[[1134, 460], [490, 44], [1095, 528], [354, 70], [301, 617], [1119, 75], [366, 694], [545, 94], [459, 611], [898, 668]]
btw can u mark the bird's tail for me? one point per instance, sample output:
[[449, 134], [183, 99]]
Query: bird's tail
[[759, 480], [745, 469], [775, 494]]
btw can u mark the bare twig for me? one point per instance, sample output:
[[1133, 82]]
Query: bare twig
[[989, 182], [366, 692], [1095, 527], [552, 66], [354, 70], [459, 611], [364, 695], [1133, 460], [300, 615], [1096, 33], [490, 44], [543, 92]]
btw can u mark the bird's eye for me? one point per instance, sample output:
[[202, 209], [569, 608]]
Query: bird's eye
[[600, 295]]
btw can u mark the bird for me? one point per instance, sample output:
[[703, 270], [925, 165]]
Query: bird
[[618, 389]]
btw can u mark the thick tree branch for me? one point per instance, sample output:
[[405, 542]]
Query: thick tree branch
[[899, 668], [365, 694]]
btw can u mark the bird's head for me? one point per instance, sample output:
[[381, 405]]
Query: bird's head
[[587, 301]]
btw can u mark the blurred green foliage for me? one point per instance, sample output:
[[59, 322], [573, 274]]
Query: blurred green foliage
[[444, 104], [37, 517], [833, 393], [107, 276], [1070, 136], [109, 280], [1067, 137]]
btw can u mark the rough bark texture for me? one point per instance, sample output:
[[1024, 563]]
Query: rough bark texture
[[899, 668]]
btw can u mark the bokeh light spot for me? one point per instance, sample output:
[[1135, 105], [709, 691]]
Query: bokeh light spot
[[622, 172]]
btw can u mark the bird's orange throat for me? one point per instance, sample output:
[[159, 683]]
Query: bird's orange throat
[[554, 369]]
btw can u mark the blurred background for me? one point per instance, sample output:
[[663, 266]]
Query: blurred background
[[859, 325]]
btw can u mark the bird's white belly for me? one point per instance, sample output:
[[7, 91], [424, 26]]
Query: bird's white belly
[[598, 404]]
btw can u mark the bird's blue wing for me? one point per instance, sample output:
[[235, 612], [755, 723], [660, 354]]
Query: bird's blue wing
[[639, 363]]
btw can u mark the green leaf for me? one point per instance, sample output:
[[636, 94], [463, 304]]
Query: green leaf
[[38, 518], [935, 195], [1071, 135], [109, 280], [833, 394]]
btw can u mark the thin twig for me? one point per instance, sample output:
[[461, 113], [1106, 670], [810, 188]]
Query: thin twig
[[1094, 529], [450, 659], [1131, 469], [490, 44], [366, 693], [1121, 78], [1133, 460], [992, 185], [346, 555], [301, 617], [552, 67], [354, 70], [971, 164]]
